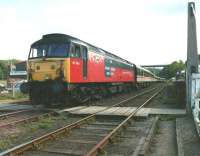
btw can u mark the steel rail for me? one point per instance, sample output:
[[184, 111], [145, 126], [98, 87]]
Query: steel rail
[[131, 98], [98, 148], [33, 118], [49, 136], [14, 101], [13, 113]]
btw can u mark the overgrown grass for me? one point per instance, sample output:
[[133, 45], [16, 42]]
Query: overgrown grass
[[167, 118], [29, 131], [44, 123], [33, 127], [3, 82], [6, 142], [9, 96]]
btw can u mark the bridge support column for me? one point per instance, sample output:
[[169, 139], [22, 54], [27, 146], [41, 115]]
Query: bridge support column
[[192, 56]]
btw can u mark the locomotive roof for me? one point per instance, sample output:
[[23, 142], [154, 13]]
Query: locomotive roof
[[52, 38], [60, 38]]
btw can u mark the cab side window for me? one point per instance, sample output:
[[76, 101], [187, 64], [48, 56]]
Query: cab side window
[[75, 51]]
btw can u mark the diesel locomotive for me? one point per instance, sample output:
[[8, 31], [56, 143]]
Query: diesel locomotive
[[62, 67]]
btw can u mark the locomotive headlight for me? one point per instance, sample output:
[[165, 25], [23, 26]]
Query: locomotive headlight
[[46, 77], [31, 66]]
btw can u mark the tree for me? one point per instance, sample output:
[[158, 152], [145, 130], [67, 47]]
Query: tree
[[4, 67], [171, 70], [3, 70]]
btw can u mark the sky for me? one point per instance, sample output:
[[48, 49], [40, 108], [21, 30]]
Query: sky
[[145, 32]]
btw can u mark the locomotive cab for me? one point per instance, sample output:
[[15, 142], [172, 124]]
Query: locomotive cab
[[46, 61], [49, 62]]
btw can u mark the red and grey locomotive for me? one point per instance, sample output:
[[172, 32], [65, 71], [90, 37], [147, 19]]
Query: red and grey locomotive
[[60, 66]]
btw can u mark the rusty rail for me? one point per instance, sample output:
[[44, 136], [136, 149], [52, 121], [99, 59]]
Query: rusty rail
[[13, 113], [33, 118], [36, 142], [98, 148]]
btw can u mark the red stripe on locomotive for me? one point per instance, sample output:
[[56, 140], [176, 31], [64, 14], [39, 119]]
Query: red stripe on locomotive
[[96, 71]]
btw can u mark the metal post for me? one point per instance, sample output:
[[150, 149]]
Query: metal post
[[192, 56], [13, 89]]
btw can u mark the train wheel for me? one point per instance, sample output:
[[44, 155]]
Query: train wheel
[[80, 95]]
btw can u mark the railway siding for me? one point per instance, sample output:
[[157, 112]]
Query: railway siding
[[14, 107], [107, 133], [111, 130], [25, 130], [135, 140]]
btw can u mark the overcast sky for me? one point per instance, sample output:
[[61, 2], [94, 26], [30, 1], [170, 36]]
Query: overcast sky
[[142, 31]]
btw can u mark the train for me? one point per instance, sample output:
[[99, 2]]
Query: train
[[61, 67]]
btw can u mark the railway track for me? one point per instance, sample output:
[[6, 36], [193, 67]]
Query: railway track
[[22, 116], [7, 114], [22, 101], [136, 98], [106, 132], [13, 107], [13, 118]]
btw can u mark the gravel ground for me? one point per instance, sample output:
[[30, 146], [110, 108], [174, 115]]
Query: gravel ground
[[12, 107], [27, 132], [81, 140], [9, 101], [5, 112], [130, 139], [19, 116], [168, 98], [164, 142], [190, 139], [119, 97]]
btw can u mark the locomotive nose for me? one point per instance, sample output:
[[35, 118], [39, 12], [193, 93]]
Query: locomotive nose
[[46, 70]]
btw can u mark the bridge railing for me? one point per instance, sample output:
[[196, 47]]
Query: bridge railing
[[195, 100]]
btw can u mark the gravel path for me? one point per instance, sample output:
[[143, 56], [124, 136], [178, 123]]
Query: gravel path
[[164, 142], [191, 141]]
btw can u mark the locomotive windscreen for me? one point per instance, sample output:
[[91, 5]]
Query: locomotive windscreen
[[50, 50]]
